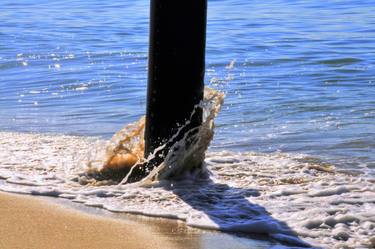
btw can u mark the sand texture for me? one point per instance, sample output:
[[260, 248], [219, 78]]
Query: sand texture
[[27, 222]]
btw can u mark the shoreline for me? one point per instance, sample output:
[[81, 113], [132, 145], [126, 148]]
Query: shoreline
[[29, 222], [34, 222], [283, 192]]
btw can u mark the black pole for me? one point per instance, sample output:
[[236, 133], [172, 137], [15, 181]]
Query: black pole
[[176, 69]]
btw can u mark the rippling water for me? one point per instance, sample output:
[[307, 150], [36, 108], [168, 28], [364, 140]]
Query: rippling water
[[299, 75], [299, 78]]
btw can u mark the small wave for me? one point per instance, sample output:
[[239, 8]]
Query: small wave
[[340, 61], [293, 198]]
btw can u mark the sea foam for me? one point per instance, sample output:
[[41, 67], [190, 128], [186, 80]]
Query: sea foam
[[293, 199]]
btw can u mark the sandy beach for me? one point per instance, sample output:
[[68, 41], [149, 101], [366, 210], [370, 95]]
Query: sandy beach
[[228, 124], [27, 222], [34, 222]]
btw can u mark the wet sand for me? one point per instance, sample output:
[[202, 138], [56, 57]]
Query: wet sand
[[35, 222], [27, 222]]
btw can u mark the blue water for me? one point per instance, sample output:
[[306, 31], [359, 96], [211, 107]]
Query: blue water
[[303, 79]]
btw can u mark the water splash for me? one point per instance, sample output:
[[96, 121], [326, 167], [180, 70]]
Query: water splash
[[125, 150]]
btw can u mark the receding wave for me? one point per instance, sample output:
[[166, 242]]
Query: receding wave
[[283, 195]]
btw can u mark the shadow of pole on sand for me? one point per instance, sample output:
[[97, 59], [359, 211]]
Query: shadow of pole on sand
[[228, 209]]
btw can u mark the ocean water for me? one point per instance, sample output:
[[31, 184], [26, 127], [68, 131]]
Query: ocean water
[[299, 79]]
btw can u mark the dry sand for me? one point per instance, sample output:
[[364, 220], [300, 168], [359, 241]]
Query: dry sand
[[28, 222]]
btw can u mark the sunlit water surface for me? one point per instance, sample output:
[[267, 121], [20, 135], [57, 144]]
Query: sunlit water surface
[[299, 78], [303, 78]]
